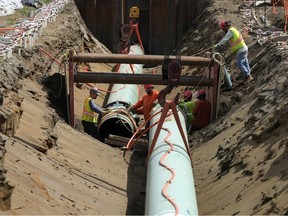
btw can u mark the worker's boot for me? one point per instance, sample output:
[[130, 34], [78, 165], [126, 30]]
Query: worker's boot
[[248, 79]]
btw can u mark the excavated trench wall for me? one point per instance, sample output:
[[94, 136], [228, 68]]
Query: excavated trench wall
[[161, 26]]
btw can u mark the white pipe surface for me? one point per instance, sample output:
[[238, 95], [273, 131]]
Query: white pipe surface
[[178, 187], [127, 94]]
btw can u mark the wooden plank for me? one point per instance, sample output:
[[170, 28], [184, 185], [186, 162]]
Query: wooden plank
[[125, 139], [32, 145], [115, 142], [119, 141]]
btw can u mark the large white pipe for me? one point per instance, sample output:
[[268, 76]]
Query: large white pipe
[[174, 180], [118, 121], [127, 94]]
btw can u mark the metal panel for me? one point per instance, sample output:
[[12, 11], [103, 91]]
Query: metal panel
[[163, 26], [115, 24], [98, 15], [102, 23], [157, 26], [158, 23], [190, 11]]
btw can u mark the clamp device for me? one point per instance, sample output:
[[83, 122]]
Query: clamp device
[[171, 71]]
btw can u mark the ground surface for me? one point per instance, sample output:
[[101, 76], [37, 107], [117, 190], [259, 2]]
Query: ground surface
[[239, 161]]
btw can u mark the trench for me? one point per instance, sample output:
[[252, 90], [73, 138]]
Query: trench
[[101, 19], [56, 88], [157, 39]]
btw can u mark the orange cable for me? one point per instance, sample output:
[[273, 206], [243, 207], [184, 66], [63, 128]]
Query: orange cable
[[130, 145], [112, 91], [164, 190], [160, 121], [139, 128], [50, 56], [8, 29]]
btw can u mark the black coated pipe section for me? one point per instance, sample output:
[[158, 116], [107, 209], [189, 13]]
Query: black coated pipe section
[[118, 122], [115, 125], [141, 59], [122, 78]]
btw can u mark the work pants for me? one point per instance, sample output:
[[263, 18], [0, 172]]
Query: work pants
[[243, 63], [90, 128]]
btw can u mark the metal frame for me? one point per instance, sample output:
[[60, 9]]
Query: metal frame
[[212, 79]]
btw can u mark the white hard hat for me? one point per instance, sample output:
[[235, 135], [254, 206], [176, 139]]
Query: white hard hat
[[94, 90]]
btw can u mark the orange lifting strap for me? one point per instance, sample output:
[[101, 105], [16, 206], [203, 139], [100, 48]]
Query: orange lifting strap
[[134, 27], [286, 13]]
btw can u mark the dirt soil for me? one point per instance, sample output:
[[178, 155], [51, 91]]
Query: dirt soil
[[239, 161]]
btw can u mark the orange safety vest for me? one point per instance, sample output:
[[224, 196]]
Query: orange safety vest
[[88, 114], [146, 103], [236, 42]]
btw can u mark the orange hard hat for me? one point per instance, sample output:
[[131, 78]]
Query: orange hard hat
[[187, 94], [146, 86], [224, 24], [201, 92]]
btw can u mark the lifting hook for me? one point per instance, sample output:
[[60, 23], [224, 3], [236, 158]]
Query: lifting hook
[[171, 71]]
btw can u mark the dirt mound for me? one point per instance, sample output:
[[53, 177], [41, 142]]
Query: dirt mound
[[239, 159], [51, 167]]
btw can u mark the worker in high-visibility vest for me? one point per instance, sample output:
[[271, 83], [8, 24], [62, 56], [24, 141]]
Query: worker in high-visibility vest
[[237, 46], [187, 106], [89, 116]]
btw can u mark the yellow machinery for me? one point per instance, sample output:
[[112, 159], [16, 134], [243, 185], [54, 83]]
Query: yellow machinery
[[134, 12]]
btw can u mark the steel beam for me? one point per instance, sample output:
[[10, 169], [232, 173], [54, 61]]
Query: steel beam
[[140, 59], [122, 78], [71, 90]]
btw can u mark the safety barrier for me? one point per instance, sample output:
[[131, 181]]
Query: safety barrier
[[25, 33]]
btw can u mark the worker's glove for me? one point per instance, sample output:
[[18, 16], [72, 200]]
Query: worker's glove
[[104, 113], [130, 109], [189, 131], [217, 47]]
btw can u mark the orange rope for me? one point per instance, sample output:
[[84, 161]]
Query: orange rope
[[112, 91], [130, 144], [9, 29], [164, 190], [50, 56], [167, 106]]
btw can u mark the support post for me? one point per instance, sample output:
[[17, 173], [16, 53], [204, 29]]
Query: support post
[[71, 89], [216, 91]]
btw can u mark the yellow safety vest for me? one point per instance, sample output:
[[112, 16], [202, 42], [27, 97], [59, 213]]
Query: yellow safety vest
[[88, 114], [237, 41], [187, 108]]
